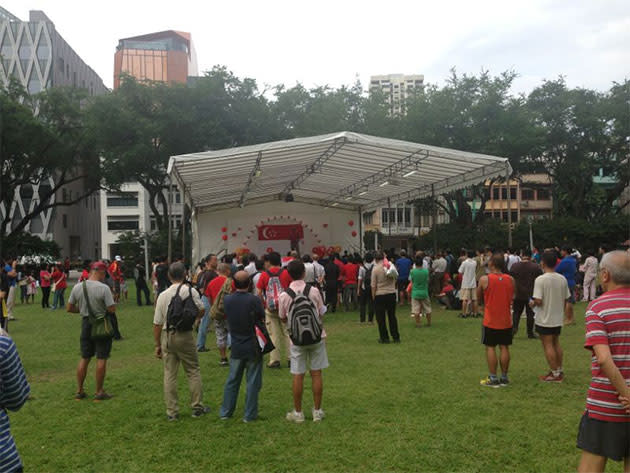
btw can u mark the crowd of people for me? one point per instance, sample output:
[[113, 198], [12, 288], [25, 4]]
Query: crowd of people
[[276, 305]]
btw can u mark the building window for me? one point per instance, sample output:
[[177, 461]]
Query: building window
[[64, 220], [400, 216], [513, 193], [543, 194], [124, 199], [64, 195], [123, 223], [527, 194], [368, 218], [495, 193]]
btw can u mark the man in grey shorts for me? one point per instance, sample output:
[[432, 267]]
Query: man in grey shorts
[[101, 301]]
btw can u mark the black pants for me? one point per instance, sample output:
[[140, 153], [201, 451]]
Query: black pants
[[45, 297], [366, 302], [331, 294], [382, 305], [518, 307], [140, 288], [117, 335]]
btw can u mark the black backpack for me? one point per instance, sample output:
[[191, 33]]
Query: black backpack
[[367, 280], [181, 313], [304, 325]]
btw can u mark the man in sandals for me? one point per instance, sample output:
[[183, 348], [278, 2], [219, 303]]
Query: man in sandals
[[100, 301]]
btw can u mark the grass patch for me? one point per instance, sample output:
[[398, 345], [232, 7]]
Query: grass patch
[[416, 406]]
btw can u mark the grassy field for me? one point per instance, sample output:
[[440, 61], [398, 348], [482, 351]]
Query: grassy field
[[416, 406]]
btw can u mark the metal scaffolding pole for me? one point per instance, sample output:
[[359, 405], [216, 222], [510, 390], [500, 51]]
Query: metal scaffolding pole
[[509, 203]]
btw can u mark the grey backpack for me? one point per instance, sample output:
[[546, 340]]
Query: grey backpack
[[304, 325]]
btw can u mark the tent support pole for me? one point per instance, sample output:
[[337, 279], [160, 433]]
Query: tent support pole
[[361, 230], [170, 227], [435, 238], [509, 203]]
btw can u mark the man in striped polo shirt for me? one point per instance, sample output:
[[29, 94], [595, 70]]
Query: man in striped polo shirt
[[14, 391], [605, 426]]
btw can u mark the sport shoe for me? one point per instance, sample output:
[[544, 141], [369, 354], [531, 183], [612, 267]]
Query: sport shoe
[[550, 378], [318, 415], [297, 417], [201, 411], [274, 365], [224, 362], [202, 350], [80, 396], [174, 418], [102, 397], [490, 383], [504, 381]]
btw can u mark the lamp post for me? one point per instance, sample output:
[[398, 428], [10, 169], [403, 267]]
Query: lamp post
[[530, 220]]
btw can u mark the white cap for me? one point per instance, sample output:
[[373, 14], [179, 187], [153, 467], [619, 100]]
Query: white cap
[[118, 258]]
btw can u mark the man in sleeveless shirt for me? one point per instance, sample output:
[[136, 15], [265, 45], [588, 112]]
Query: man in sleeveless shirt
[[496, 290]]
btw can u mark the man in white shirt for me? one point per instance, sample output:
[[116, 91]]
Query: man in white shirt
[[551, 291], [320, 272], [511, 259], [175, 347], [251, 266], [468, 292], [591, 266]]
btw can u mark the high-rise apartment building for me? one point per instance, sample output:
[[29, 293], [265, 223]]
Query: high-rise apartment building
[[166, 56], [36, 55], [396, 88]]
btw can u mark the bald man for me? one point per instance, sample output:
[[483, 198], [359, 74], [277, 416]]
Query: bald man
[[605, 426], [243, 311]]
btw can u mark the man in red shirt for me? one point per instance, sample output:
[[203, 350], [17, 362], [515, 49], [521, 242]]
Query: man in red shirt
[[116, 274], [496, 290], [273, 282], [605, 426], [59, 280], [220, 326], [350, 281]]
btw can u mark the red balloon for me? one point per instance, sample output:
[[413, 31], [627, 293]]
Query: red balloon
[[224, 229], [233, 234], [225, 237], [269, 250], [354, 233], [351, 223], [325, 225]]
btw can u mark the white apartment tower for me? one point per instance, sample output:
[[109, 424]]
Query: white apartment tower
[[396, 88]]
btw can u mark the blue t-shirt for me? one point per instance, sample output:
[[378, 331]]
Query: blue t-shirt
[[568, 267], [11, 280], [404, 267]]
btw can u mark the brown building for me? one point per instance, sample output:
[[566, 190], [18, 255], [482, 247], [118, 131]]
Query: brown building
[[166, 56], [530, 197]]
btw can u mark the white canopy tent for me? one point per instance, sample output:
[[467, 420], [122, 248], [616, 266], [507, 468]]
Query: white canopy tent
[[345, 172]]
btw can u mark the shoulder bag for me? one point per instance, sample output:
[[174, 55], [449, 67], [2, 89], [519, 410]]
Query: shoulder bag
[[102, 327]]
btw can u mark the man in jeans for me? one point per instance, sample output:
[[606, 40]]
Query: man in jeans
[[603, 431], [524, 273], [11, 272], [209, 273], [242, 311], [384, 297], [176, 347], [365, 289], [100, 301], [277, 330], [314, 356]]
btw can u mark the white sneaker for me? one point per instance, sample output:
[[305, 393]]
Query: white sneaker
[[318, 415], [297, 417]]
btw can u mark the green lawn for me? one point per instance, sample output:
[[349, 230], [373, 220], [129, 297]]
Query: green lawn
[[416, 406]]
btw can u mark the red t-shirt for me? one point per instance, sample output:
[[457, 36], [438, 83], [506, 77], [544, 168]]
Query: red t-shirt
[[350, 273], [608, 323], [498, 299], [59, 279], [115, 272], [285, 279], [214, 287], [340, 265]]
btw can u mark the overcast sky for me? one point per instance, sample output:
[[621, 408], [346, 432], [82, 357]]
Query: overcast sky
[[334, 41]]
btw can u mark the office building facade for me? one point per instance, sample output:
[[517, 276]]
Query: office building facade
[[166, 56], [396, 88], [34, 53]]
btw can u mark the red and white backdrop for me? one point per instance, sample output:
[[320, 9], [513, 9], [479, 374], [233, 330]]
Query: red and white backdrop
[[273, 226]]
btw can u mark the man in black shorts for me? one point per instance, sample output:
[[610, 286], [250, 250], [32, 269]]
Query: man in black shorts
[[100, 301]]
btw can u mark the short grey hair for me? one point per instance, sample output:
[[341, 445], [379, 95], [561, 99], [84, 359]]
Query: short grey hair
[[617, 263], [177, 271]]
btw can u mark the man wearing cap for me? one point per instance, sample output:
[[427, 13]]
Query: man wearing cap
[[100, 300]]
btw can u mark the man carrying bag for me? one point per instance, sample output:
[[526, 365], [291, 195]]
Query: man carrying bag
[[94, 301]]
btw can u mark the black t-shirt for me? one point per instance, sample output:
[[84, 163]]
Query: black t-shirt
[[161, 274], [332, 271], [242, 310]]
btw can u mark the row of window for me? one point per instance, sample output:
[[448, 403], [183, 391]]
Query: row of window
[[125, 223], [130, 199], [526, 194]]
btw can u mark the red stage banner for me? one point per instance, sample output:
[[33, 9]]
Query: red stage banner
[[280, 232]]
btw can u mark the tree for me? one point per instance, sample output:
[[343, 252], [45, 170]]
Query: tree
[[43, 138]]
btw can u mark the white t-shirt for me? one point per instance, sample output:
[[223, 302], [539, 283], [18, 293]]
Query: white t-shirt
[[553, 290], [468, 270], [511, 260]]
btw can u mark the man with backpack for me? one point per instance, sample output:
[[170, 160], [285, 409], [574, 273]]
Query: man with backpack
[[272, 283], [216, 291], [176, 310], [301, 308]]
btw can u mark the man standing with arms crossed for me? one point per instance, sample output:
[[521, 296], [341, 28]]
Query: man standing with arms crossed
[[100, 301], [604, 431], [524, 273], [496, 289]]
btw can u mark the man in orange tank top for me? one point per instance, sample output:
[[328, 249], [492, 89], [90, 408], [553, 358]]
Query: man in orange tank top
[[496, 290]]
